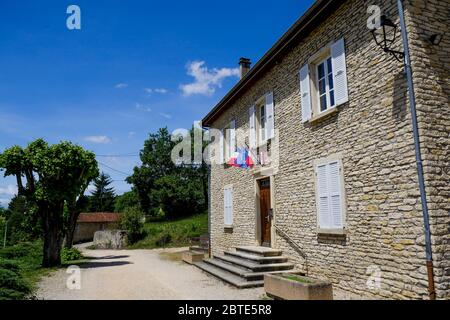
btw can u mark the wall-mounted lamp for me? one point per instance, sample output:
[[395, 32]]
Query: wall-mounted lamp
[[436, 39], [385, 36]]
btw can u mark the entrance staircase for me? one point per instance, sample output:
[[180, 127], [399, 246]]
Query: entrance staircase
[[244, 267]]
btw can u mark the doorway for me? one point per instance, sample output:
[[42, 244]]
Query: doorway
[[265, 209]]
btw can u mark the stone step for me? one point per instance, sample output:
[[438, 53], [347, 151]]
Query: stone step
[[256, 267], [260, 251], [257, 258], [228, 277], [242, 272], [198, 249]]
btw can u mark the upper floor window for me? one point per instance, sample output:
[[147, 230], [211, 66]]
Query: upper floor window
[[323, 81], [261, 121], [325, 85]]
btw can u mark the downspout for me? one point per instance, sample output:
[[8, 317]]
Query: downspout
[[423, 196]]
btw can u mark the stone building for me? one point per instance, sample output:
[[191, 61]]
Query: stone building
[[326, 115], [89, 223]]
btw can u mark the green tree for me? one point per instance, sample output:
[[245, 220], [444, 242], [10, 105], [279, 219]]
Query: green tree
[[103, 197], [156, 163], [176, 189], [50, 177], [126, 200], [132, 221]]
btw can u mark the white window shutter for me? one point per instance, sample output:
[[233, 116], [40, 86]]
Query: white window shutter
[[305, 93], [252, 127], [221, 147], [270, 121], [228, 206], [334, 185], [232, 144], [323, 197], [339, 71]]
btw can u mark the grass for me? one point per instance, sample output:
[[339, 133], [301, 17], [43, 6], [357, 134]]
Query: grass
[[21, 270], [294, 277], [172, 234]]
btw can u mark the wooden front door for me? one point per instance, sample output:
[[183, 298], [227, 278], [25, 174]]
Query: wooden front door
[[265, 211]]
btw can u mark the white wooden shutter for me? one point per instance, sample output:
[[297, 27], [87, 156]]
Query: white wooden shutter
[[228, 205], [221, 147], [334, 184], [339, 71], [270, 121], [252, 127], [232, 144], [323, 197], [305, 93]]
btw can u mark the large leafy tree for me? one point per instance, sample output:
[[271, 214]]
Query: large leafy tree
[[156, 163], [103, 197], [176, 189], [51, 177]]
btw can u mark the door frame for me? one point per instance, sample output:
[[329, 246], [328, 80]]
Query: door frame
[[258, 231]]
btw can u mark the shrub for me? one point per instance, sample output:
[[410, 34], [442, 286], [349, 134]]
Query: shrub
[[132, 221], [12, 286], [71, 254]]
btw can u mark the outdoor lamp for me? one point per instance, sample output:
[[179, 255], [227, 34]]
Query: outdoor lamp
[[385, 36]]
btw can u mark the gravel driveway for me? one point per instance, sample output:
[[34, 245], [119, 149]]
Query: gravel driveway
[[140, 275]]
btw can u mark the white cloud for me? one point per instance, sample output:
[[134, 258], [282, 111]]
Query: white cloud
[[165, 115], [141, 107], [157, 90], [121, 86], [10, 190], [98, 139], [131, 134], [206, 81]]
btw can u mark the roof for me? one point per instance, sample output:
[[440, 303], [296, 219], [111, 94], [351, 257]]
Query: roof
[[318, 12], [99, 217]]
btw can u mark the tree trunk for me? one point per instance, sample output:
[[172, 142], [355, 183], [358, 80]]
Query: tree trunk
[[71, 229], [53, 238]]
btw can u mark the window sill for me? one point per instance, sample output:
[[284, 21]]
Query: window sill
[[322, 115], [335, 232], [228, 228]]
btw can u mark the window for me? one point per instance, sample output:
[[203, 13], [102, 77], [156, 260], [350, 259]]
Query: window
[[330, 195], [261, 121], [228, 205], [228, 141], [323, 81], [325, 85]]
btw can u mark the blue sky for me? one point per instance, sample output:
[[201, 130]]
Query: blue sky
[[134, 66]]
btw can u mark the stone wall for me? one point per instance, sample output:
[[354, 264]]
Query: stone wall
[[431, 66], [373, 133]]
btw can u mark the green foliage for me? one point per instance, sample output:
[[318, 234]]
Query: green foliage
[[177, 190], [176, 233], [56, 175], [133, 222], [20, 269], [179, 195], [103, 197], [72, 254], [127, 200]]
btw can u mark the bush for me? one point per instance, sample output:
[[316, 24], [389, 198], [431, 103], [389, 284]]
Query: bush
[[132, 221], [12, 286], [71, 254]]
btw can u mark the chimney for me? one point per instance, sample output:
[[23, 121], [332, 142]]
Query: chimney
[[244, 66]]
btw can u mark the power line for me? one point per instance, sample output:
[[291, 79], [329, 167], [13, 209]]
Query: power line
[[118, 171]]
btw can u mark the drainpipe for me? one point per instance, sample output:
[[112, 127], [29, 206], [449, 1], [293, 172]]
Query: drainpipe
[[423, 195]]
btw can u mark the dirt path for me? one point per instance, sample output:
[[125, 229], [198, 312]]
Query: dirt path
[[141, 275]]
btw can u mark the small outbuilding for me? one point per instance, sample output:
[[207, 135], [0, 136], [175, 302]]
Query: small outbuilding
[[89, 223]]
